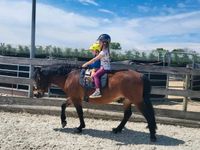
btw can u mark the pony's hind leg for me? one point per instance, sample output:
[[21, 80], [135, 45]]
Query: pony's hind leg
[[79, 110], [146, 109], [127, 115]]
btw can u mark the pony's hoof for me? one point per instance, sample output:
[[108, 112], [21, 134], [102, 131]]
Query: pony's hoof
[[78, 130], [153, 138], [116, 130], [64, 123]]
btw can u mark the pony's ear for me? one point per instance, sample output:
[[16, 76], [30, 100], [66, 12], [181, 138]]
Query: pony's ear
[[37, 70]]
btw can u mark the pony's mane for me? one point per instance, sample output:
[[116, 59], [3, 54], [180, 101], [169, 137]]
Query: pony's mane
[[58, 69]]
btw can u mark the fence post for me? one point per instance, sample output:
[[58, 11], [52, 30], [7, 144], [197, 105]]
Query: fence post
[[185, 99], [167, 85], [168, 57], [30, 92]]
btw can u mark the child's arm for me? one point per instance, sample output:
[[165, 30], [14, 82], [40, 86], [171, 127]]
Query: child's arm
[[92, 60]]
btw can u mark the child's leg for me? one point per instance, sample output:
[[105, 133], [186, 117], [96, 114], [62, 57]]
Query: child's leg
[[97, 75], [96, 78]]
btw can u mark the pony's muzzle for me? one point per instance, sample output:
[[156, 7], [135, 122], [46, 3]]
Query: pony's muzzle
[[38, 94]]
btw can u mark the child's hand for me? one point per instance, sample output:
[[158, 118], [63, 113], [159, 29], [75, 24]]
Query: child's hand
[[84, 65]]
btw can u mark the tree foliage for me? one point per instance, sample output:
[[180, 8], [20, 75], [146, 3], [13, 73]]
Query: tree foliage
[[178, 57], [115, 46]]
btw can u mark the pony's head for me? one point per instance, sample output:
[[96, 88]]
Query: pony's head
[[40, 82], [42, 76]]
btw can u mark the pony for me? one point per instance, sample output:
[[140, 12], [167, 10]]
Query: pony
[[130, 85]]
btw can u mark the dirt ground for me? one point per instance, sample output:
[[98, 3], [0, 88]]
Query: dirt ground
[[25, 131]]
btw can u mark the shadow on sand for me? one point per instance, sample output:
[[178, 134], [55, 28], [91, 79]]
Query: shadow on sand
[[126, 137]]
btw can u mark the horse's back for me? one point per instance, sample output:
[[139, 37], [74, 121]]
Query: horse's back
[[126, 75], [129, 83]]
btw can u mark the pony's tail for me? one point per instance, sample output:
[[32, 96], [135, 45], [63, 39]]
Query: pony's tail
[[146, 87], [146, 96]]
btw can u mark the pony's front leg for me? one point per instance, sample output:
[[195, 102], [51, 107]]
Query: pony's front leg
[[79, 110], [63, 107]]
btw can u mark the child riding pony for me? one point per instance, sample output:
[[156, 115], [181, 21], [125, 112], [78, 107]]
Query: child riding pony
[[128, 84]]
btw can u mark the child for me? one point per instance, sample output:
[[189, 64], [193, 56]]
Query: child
[[95, 48], [104, 57]]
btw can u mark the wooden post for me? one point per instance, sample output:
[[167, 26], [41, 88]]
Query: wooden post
[[167, 86], [49, 92], [168, 57], [185, 99]]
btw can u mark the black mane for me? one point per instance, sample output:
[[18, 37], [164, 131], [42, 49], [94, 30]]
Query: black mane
[[57, 69]]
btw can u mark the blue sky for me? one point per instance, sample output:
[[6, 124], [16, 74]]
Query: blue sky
[[126, 8], [135, 24]]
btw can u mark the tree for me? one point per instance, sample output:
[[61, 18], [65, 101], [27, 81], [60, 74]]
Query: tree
[[48, 50], [152, 56], [114, 56], [23, 51], [196, 58], [158, 54], [129, 55], [136, 54], [144, 56], [39, 50], [57, 52], [76, 52], [2, 48], [183, 56], [83, 53], [8, 50], [67, 52], [115, 46]]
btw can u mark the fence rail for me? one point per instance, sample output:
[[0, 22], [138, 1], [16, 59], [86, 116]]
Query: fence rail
[[141, 68], [15, 80], [34, 61]]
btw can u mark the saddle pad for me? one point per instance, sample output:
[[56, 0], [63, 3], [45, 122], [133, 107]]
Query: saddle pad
[[89, 84]]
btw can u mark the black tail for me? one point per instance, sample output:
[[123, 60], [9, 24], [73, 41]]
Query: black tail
[[146, 87], [148, 110]]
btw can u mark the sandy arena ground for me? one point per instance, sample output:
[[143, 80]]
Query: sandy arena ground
[[25, 131]]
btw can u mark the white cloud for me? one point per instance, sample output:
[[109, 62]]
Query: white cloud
[[160, 10], [106, 11], [13, 27], [181, 5], [143, 8], [58, 27], [89, 2]]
